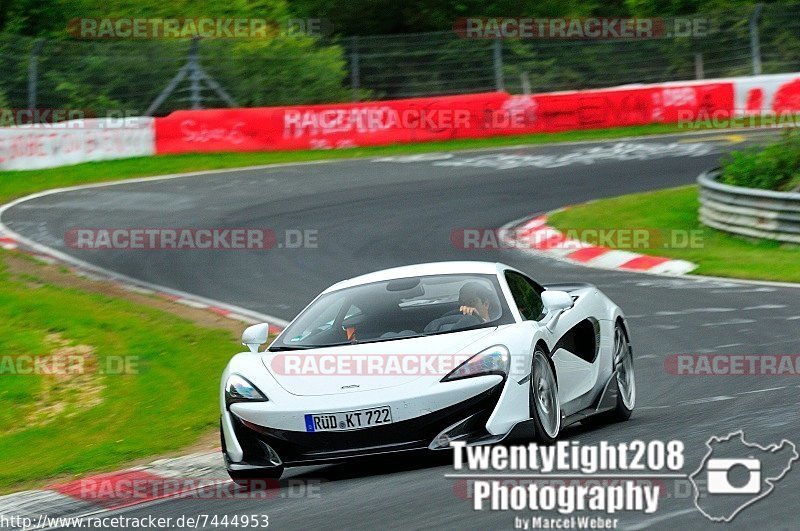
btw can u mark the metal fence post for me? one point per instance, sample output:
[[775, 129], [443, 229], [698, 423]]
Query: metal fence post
[[755, 45], [525, 81], [498, 65], [195, 75], [355, 69], [33, 72], [699, 72]]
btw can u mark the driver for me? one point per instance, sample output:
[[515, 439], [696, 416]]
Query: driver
[[475, 299], [474, 302]]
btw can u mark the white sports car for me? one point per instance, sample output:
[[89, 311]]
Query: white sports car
[[415, 357]]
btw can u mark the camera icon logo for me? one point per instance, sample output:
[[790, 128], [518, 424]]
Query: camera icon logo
[[718, 476], [735, 474]]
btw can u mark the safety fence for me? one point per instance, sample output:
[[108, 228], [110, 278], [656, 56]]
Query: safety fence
[[154, 76]]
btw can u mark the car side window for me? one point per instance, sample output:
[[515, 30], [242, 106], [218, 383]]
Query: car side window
[[527, 296]]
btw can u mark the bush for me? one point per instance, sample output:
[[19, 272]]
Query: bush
[[774, 167]]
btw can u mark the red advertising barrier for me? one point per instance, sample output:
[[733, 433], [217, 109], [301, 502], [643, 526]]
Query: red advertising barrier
[[328, 126], [627, 107], [443, 118]]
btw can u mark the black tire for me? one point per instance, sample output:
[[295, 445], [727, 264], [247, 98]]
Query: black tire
[[545, 408], [621, 411]]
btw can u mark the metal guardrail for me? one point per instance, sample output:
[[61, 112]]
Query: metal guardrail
[[749, 212]]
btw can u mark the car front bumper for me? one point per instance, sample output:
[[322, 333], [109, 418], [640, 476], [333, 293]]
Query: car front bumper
[[266, 447]]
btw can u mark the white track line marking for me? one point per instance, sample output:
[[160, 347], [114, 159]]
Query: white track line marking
[[761, 390], [695, 401], [718, 398]]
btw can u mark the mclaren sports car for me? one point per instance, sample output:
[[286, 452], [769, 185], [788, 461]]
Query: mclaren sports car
[[416, 357]]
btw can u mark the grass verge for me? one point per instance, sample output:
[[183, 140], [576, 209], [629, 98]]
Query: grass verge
[[111, 385], [716, 253]]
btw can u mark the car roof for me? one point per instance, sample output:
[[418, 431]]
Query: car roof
[[416, 270]]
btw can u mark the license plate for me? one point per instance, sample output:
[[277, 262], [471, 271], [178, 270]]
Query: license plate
[[349, 420]]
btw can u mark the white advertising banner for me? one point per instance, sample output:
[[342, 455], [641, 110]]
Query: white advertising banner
[[779, 93], [75, 141]]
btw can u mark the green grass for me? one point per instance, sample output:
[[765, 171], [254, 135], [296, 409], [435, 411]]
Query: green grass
[[718, 253], [15, 184], [167, 402]]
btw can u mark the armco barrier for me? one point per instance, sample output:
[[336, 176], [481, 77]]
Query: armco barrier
[[749, 212], [72, 142]]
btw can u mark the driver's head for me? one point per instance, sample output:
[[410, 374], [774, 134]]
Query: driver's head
[[475, 294]]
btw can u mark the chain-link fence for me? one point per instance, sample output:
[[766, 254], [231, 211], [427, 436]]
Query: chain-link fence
[[159, 76]]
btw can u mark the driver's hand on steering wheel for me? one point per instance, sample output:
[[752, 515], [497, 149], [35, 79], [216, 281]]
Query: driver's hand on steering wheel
[[470, 310]]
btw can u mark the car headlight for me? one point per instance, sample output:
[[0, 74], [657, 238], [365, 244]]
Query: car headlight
[[493, 360], [238, 389]]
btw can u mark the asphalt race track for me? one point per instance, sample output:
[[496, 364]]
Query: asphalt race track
[[372, 214]]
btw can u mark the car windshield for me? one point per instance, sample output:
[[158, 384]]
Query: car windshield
[[399, 308]]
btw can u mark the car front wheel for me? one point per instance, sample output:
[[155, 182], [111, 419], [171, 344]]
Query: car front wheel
[[623, 369], [545, 407]]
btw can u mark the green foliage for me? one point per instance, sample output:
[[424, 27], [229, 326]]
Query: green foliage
[[668, 8], [49, 18], [280, 71], [775, 167], [127, 75], [380, 17]]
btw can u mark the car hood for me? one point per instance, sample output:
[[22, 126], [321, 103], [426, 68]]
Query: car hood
[[370, 366]]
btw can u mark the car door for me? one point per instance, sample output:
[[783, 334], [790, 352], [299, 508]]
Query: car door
[[575, 373]]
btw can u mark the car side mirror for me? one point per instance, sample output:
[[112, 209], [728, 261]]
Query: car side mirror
[[555, 302], [255, 336]]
